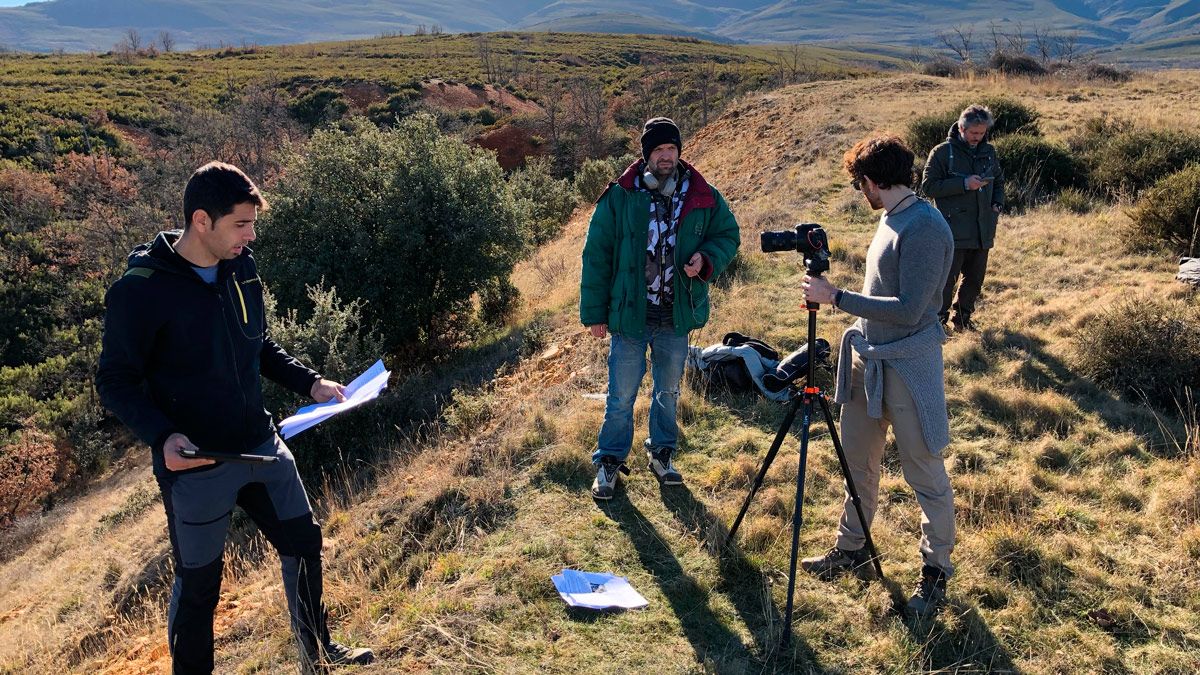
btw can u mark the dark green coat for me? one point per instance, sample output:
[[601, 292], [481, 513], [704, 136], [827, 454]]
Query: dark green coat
[[612, 287], [969, 213]]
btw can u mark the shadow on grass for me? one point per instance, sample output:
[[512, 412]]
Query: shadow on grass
[[744, 583], [713, 641], [1045, 370], [956, 639]]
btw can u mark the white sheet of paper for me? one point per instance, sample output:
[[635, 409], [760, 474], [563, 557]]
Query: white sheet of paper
[[593, 590], [364, 388]]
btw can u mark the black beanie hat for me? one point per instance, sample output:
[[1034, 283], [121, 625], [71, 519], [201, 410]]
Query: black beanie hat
[[658, 131]]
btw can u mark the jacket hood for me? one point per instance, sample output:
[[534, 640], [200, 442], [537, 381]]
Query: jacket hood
[[160, 254]]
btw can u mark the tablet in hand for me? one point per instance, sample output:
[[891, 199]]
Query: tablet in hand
[[228, 456]]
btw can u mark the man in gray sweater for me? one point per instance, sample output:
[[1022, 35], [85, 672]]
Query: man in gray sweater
[[890, 366]]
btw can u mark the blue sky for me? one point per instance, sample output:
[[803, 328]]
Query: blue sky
[[14, 3]]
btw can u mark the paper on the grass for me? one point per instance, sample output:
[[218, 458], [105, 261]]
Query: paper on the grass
[[364, 388], [594, 590]]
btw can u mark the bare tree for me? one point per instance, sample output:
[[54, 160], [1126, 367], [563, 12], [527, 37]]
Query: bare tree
[[997, 36], [706, 83], [588, 114], [552, 109], [1017, 41], [1043, 44], [486, 60], [133, 39], [790, 65], [1067, 46], [421, 30], [960, 41], [166, 41], [435, 29]]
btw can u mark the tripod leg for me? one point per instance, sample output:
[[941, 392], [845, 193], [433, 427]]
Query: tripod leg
[[854, 498], [784, 428], [797, 519]]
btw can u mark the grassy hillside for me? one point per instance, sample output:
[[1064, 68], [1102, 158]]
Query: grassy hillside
[[60, 97], [1078, 511]]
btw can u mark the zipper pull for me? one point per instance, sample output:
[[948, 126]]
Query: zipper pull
[[238, 287]]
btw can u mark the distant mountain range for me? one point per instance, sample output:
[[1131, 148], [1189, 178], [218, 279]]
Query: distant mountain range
[[83, 25]]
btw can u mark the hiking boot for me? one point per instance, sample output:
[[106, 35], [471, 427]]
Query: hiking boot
[[606, 477], [930, 592], [660, 464], [837, 561], [332, 654]]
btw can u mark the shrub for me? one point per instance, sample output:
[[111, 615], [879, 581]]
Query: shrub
[[318, 106], [1143, 347], [1130, 161], [398, 106], [1014, 63], [336, 342], [1168, 211], [1093, 71], [28, 199], [594, 176], [27, 464], [1074, 201], [546, 201], [411, 221], [1012, 117], [1100, 71], [1034, 168], [941, 66]]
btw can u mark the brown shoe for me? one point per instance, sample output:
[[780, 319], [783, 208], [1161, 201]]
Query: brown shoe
[[837, 561]]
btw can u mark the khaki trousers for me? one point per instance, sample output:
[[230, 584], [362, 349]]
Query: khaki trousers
[[863, 440]]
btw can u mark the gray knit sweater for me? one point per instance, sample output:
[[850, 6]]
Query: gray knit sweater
[[907, 265]]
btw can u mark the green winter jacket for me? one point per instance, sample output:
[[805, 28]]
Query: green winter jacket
[[613, 283], [969, 212]]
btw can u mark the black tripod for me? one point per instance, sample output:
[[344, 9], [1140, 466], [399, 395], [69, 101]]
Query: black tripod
[[805, 397]]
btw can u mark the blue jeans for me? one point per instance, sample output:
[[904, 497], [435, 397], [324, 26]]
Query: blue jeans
[[626, 368]]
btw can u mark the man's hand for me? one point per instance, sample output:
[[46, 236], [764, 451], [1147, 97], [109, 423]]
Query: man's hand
[[817, 290], [176, 461], [975, 182], [599, 330], [694, 265], [324, 390], [996, 208]]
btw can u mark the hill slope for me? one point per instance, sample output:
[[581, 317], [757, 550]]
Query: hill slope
[[1079, 521], [80, 25]]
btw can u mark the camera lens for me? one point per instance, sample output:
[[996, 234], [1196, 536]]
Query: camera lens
[[771, 242]]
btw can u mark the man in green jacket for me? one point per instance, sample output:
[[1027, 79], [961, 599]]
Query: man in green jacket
[[966, 182], [658, 217]]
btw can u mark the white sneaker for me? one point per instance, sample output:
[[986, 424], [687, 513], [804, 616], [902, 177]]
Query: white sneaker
[[660, 464]]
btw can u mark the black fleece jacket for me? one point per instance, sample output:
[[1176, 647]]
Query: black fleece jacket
[[181, 355]]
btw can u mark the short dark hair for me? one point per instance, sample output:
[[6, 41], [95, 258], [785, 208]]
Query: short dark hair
[[883, 159], [215, 189]]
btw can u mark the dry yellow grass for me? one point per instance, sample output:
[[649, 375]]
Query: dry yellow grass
[[1078, 520]]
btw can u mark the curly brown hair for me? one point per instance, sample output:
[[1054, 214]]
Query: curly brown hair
[[883, 159]]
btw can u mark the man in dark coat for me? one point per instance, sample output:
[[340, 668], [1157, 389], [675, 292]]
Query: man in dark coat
[[184, 350], [964, 178]]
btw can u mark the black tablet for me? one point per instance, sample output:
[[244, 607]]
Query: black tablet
[[228, 457]]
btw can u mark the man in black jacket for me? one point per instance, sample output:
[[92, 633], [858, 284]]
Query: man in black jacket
[[185, 343], [964, 177]]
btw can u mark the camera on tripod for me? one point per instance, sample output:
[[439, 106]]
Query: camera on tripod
[[807, 239], [810, 241]]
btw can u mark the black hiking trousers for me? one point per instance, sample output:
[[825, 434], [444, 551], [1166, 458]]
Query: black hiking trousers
[[198, 506], [971, 265]]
